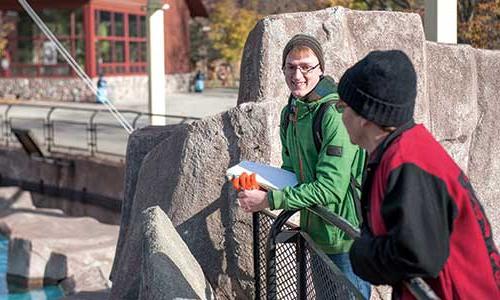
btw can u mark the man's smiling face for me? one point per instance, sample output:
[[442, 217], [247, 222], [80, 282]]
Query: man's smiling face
[[302, 71]]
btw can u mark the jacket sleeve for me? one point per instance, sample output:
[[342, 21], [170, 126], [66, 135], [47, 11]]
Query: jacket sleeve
[[418, 215], [333, 170], [285, 156]]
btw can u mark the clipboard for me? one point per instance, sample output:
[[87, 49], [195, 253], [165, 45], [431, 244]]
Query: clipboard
[[268, 177]]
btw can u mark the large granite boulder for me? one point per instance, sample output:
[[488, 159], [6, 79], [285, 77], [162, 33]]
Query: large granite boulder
[[142, 141], [169, 270], [184, 176], [47, 247], [452, 92], [484, 152]]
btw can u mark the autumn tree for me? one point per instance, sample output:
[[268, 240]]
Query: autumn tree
[[479, 23], [396, 5], [6, 27], [229, 29]]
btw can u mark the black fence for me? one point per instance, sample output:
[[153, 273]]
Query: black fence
[[288, 264], [87, 131]]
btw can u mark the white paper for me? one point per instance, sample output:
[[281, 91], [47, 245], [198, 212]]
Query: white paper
[[267, 176]]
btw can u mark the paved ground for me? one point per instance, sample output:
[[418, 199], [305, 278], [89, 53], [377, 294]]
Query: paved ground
[[70, 123]]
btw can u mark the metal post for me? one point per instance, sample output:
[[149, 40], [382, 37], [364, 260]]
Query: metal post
[[7, 125], [92, 129], [441, 21], [256, 253], [302, 270], [49, 125], [156, 60]]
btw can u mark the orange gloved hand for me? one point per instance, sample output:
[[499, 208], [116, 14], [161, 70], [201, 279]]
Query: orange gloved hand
[[245, 182]]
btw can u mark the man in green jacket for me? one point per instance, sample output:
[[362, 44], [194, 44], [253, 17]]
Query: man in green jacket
[[324, 176]]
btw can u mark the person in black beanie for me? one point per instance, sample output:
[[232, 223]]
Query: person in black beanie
[[421, 217]]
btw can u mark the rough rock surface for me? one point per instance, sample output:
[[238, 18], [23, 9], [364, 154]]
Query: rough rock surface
[[169, 270], [47, 247], [484, 155], [184, 175], [454, 109], [141, 141], [346, 36], [457, 100]]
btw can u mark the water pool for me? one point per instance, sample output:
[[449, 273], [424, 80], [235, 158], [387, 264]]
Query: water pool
[[47, 293]]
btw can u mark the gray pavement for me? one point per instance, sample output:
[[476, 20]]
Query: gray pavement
[[70, 123]]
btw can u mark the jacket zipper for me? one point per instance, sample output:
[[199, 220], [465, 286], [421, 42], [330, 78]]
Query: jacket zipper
[[301, 165]]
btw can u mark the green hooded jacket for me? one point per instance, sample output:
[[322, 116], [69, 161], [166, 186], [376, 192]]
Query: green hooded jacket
[[323, 177]]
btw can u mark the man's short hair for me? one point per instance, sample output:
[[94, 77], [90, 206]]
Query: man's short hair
[[303, 40]]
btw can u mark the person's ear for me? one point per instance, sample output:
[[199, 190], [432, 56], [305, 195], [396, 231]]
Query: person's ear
[[363, 122]]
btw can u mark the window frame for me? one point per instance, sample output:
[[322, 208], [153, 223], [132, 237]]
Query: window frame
[[22, 69], [127, 66]]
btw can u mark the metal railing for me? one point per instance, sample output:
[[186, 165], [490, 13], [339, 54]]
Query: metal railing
[[86, 126], [288, 264]]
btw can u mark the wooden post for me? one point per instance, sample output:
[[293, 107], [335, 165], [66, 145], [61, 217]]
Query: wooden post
[[89, 24]]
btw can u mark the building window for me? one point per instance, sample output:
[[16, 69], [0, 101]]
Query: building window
[[120, 42], [32, 54]]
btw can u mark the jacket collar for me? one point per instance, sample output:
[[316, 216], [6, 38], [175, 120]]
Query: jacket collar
[[379, 152], [326, 87]]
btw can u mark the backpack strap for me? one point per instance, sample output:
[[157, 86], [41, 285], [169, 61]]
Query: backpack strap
[[318, 121], [354, 186]]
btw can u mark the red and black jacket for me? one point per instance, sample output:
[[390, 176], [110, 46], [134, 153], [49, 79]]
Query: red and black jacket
[[423, 219]]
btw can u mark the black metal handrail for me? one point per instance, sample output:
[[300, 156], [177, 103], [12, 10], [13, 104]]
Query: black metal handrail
[[92, 126], [278, 232], [417, 286], [289, 265]]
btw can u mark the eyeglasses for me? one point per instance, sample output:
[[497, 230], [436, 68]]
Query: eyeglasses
[[290, 69], [340, 106]]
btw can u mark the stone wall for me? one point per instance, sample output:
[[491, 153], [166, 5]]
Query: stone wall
[[458, 89], [72, 184], [121, 89], [54, 89]]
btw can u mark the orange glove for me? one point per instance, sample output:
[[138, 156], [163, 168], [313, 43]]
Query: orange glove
[[245, 182]]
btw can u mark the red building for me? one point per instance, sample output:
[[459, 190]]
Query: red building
[[107, 36]]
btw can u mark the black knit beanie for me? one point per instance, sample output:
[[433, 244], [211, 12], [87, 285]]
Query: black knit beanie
[[307, 41], [381, 87]]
